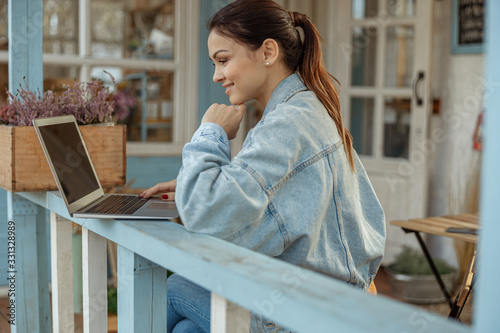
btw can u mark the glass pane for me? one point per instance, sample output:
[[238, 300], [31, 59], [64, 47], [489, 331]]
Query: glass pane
[[362, 9], [108, 25], [60, 26], [55, 77], [399, 58], [397, 127], [150, 118], [362, 124], [142, 31], [364, 47], [401, 8]]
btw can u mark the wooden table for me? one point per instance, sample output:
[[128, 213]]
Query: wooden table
[[439, 225], [466, 229]]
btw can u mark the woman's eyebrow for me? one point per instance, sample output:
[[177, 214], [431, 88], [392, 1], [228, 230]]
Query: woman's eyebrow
[[217, 52]]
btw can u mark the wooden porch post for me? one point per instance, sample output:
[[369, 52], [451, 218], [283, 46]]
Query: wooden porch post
[[28, 267], [94, 271], [142, 294], [61, 254], [25, 44], [32, 303]]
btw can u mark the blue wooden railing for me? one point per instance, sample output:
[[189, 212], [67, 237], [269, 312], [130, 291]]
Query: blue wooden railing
[[302, 300]]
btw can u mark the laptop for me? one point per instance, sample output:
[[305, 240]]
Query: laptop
[[77, 180]]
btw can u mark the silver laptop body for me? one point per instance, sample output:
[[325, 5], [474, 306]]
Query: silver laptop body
[[77, 180]]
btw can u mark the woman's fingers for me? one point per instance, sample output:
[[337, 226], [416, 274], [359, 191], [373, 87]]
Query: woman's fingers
[[229, 117], [166, 187]]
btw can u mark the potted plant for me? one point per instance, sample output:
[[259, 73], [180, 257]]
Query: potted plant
[[23, 166], [412, 278]]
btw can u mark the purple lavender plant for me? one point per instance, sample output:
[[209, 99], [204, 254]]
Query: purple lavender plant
[[124, 102], [90, 103]]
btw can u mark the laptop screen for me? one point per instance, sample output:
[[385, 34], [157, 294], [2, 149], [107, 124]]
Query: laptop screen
[[70, 160]]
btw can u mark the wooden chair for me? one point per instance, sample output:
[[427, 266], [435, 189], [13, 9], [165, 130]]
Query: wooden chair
[[465, 289]]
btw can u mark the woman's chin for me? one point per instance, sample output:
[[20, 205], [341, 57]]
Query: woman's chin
[[237, 101]]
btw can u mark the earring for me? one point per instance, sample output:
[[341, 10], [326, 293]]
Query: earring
[[267, 64]]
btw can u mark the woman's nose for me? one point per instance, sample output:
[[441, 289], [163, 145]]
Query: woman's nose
[[217, 75]]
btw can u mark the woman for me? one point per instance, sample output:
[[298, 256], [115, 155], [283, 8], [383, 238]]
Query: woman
[[297, 190]]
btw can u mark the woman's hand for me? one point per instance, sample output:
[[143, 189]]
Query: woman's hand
[[229, 117], [167, 189]]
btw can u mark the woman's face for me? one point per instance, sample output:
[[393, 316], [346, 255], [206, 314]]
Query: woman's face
[[241, 71]]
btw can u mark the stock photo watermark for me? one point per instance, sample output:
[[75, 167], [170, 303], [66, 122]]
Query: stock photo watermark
[[420, 320], [11, 271], [267, 306]]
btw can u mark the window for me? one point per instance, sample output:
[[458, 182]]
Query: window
[[150, 49]]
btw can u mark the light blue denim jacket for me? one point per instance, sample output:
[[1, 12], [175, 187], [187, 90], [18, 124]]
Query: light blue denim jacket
[[290, 193]]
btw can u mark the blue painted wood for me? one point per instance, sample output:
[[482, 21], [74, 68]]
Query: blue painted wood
[[159, 291], [25, 44], [25, 23], [486, 307], [3, 236], [208, 91], [302, 300], [125, 298], [142, 294], [30, 271], [43, 265], [148, 171], [77, 273]]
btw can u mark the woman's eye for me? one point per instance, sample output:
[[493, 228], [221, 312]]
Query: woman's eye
[[221, 62]]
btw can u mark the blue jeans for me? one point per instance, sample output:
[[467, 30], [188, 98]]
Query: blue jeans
[[188, 306]]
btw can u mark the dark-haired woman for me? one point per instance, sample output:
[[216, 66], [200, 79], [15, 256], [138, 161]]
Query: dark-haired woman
[[297, 190]]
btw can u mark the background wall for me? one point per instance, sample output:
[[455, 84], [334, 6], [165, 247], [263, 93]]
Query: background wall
[[457, 81]]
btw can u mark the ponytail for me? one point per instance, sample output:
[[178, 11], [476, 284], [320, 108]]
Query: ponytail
[[312, 70], [250, 22]]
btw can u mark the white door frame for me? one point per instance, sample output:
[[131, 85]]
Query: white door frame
[[390, 176]]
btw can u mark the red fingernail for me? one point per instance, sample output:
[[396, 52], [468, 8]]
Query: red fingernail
[[164, 196]]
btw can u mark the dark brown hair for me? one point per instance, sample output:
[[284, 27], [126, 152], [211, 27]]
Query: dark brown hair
[[250, 22]]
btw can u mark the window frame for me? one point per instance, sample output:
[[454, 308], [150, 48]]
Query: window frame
[[184, 66]]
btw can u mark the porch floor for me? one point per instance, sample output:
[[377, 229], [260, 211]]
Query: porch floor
[[381, 281]]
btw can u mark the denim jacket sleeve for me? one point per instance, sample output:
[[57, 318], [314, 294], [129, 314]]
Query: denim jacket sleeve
[[221, 198]]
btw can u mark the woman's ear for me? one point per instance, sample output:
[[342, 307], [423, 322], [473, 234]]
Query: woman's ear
[[271, 51]]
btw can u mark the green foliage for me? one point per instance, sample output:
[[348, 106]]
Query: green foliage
[[413, 262], [112, 301]]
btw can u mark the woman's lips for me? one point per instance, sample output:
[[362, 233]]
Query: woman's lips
[[228, 89]]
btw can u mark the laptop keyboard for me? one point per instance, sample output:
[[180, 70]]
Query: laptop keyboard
[[118, 204]]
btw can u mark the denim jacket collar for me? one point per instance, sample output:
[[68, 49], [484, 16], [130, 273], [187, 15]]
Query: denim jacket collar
[[285, 89]]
